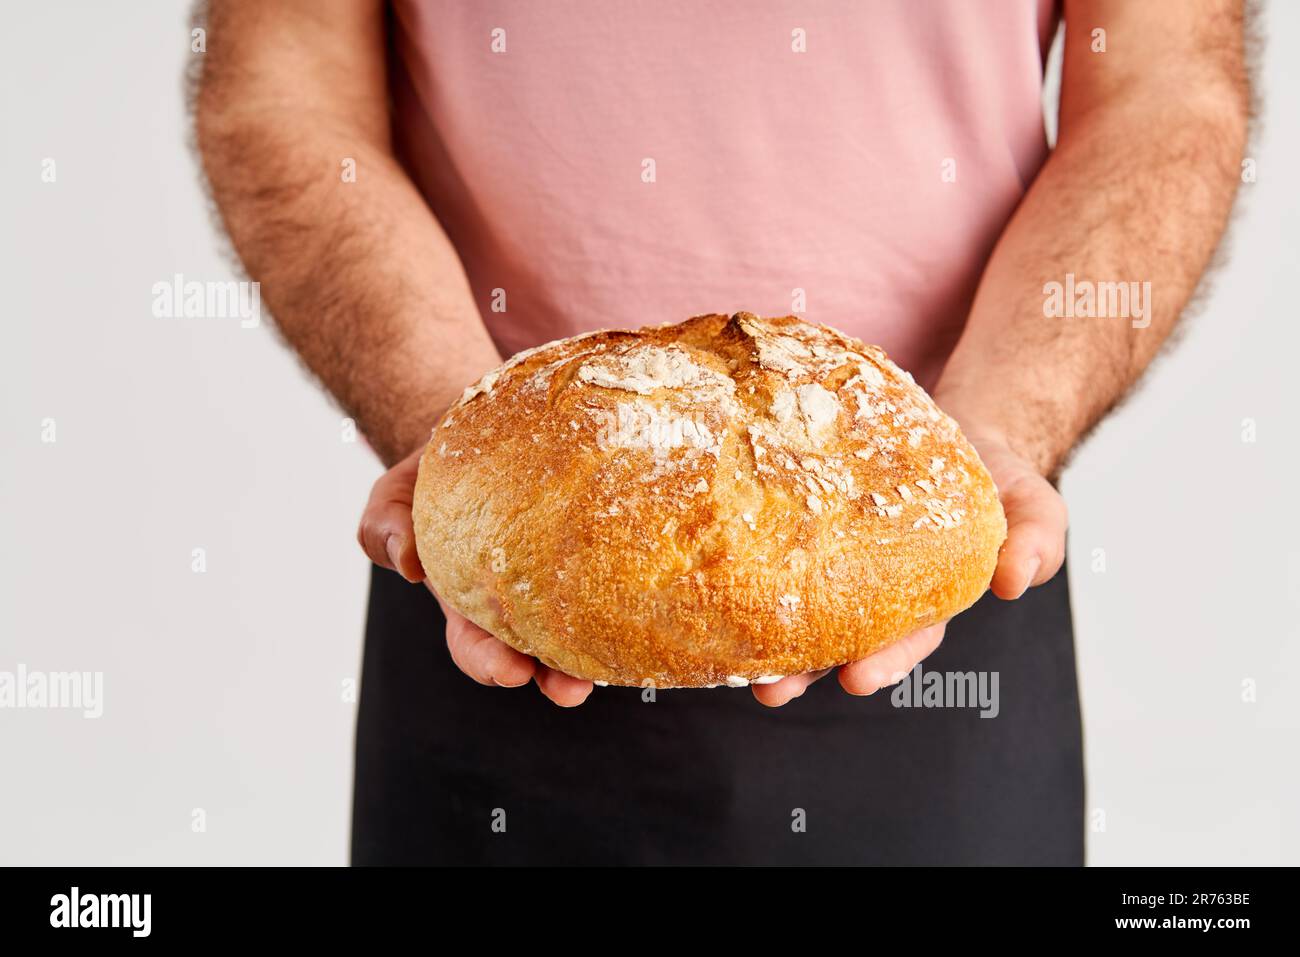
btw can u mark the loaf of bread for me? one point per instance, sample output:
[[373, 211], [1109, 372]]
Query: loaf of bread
[[720, 501]]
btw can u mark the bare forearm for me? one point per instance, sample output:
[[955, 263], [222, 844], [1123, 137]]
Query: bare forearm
[[1138, 191], [360, 278]]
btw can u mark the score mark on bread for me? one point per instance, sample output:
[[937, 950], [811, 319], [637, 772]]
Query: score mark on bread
[[714, 502]]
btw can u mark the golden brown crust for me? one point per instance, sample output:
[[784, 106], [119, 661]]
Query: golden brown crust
[[717, 501]]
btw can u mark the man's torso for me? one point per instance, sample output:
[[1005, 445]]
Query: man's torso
[[617, 165]]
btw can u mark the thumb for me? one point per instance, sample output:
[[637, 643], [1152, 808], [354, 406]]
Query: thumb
[[1036, 523], [386, 533]]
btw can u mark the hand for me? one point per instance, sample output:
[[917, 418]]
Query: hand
[[1032, 554], [388, 539]]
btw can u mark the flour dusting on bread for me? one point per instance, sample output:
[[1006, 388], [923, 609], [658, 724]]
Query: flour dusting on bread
[[704, 503], [645, 368]]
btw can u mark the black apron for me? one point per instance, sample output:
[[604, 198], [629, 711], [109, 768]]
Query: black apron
[[451, 772]]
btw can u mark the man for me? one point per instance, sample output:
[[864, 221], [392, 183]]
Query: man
[[545, 169]]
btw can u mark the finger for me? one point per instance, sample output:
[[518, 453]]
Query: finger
[[486, 659], [1035, 547], [564, 690], [890, 665], [386, 533], [388, 539], [787, 689], [398, 483]]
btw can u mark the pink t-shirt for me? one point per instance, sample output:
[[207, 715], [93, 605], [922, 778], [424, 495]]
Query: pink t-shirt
[[602, 164]]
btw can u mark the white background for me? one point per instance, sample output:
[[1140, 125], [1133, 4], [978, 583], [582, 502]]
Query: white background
[[223, 690]]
